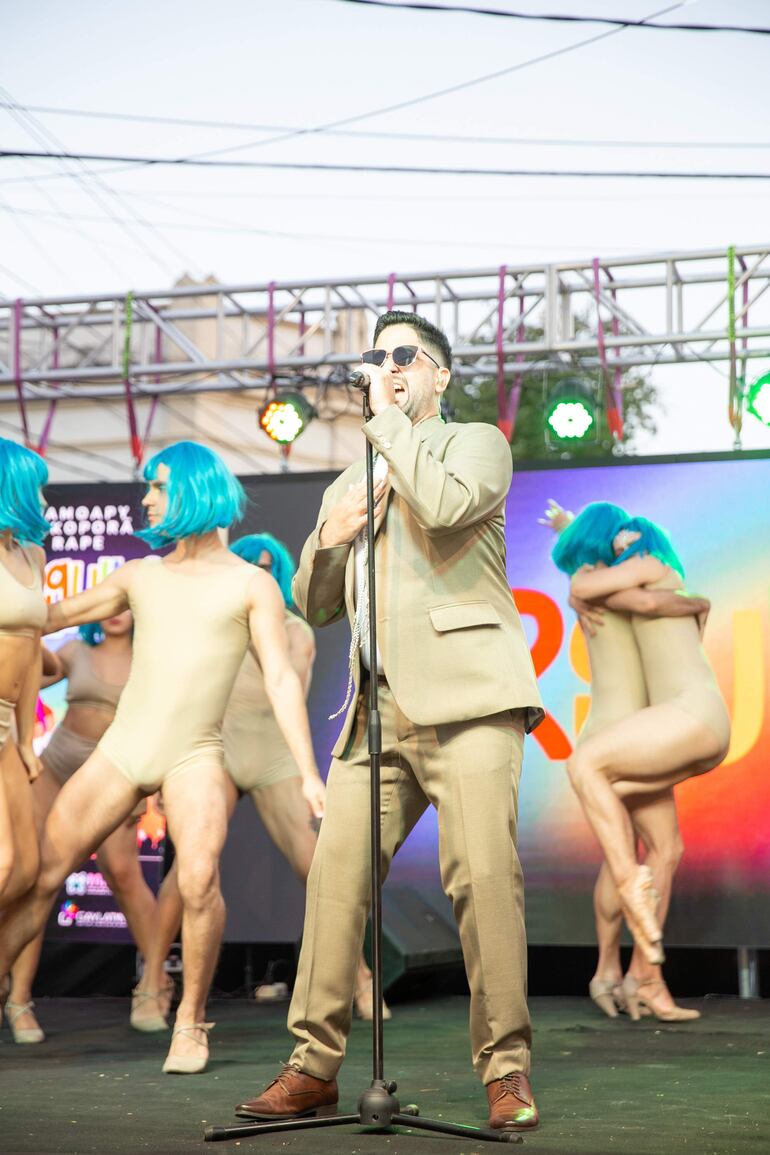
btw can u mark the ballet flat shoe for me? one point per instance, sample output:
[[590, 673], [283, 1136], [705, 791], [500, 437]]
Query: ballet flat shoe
[[363, 1003], [146, 1017], [608, 996], [645, 998], [25, 1036], [189, 1064], [639, 902]]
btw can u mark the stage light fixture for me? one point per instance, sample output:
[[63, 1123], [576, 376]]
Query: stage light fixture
[[285, 417], [570, 411], [758, 399]]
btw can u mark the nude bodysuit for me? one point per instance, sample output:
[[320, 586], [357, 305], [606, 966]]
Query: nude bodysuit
[[256, 754], [676, 668], [22, 614], [618, 686], [190, 635], [67, 751]]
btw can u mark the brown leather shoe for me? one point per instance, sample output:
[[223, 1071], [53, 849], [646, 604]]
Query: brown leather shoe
[[292, 1095], [511, 1105]]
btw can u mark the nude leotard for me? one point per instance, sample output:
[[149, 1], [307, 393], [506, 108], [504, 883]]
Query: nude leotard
[[190, 635], [676, 668], [67, 751], [618, 686], [22, 614], [256, 754]]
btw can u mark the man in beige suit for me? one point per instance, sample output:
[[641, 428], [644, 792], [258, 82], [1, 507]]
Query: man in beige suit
[[457, 692]]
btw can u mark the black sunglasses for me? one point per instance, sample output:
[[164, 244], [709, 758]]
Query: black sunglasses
[[403, 355]]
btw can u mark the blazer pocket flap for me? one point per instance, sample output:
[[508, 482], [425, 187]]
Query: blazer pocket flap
[[463, 615]]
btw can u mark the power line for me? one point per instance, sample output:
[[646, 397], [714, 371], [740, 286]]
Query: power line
[[452, 88], [394, 170], [337, 238], [418, 137], [91, 183], [468, 9]]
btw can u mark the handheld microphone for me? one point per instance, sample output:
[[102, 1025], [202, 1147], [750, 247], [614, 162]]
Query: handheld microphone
[[359, 379]]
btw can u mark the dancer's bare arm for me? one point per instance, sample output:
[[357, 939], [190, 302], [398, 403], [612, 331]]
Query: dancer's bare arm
[[282, 683], [25, 712], [301, 653], [658, 603], [56, 665], [596, 584], [590, 615], [104, 600]]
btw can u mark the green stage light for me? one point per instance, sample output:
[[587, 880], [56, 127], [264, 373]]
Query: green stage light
[[758, 399], [570, 411], [285, 417]]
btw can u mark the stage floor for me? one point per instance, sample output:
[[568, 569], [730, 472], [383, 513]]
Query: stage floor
[[602, 1086]]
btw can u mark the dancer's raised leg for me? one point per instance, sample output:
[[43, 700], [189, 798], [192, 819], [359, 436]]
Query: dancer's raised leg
[[645, 753]]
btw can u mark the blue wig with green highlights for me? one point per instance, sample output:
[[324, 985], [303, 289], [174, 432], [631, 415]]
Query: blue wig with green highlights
[[253, 545], [653, 540], [203, 495], [22, 475], [588, 539]]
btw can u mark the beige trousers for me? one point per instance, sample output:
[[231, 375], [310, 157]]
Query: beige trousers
[[470, 772]]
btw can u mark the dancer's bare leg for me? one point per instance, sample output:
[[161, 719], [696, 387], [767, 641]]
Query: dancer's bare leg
[[118, 861], [88, 808], [659, 827], [19, 855], [45, 790], [195, 802], [646, 753], [170, 914], [608, 918]]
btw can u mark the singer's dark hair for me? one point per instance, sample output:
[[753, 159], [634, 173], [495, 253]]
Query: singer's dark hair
[[436, 341]]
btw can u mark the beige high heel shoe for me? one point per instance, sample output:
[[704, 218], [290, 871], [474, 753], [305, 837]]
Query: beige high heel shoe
[[608, 996], [148, 1017], [639, 902], [645, 997], [189, 1064], [26, 1036]]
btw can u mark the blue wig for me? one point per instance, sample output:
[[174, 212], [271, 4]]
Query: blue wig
[[653, 540], [92, 633], [22, 475], [588, 539], [251, 548], [203, 494]]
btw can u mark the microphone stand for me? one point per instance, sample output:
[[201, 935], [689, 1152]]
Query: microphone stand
[[378, 1109]]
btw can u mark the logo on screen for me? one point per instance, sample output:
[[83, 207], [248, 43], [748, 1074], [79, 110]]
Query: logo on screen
[[68, 912]]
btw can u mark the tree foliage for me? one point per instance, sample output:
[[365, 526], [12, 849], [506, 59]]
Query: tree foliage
[[475, 399]]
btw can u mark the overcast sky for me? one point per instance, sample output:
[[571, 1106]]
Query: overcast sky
[[298, 64]]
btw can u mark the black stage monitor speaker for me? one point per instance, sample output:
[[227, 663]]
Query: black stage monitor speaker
[[417, 938]]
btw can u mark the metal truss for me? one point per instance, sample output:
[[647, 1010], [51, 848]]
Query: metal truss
[[507, 322]]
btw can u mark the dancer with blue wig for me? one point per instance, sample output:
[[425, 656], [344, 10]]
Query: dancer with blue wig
[[22, 616], [683, 731], [619, 689], [260, 764], [195, 611]]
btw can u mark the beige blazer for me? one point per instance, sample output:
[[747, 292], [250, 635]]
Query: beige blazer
[[451, 640]]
